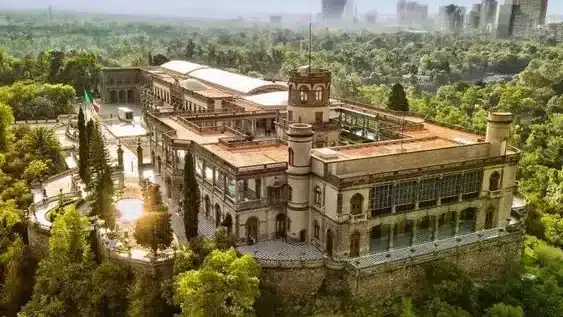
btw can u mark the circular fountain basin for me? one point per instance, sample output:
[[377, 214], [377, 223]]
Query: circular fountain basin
[[130, 209]]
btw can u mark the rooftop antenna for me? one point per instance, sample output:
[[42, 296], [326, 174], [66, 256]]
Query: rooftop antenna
[[310, 38]]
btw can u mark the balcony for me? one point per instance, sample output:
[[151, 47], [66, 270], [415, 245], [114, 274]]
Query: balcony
[[494, 193], [358, 218]]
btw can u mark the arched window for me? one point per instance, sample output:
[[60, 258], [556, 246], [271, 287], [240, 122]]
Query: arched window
[[356, 203], [319, 93], [289, 193], [291, 155], [318, 195], [494, 181], [316, 229], [489, 218], [303, 94], [252, 229]]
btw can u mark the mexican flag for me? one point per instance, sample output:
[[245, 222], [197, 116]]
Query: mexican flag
[[90, 101]]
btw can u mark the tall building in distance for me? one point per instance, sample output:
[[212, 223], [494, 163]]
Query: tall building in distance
[[521, 18], [451, 18], [333, 9], [488, 14], [474, 17], [411, 12]]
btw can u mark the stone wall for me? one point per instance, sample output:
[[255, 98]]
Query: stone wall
[[38, 239], [384, 282]]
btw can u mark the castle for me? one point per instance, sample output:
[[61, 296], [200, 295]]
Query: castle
[[275, 163]]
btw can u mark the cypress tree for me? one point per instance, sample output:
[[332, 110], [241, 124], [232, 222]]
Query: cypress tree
[[100, 185], [398, 99], [191, 198], [82, 147], [89, 129]]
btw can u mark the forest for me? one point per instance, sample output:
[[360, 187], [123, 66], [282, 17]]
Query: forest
[[48, 59]]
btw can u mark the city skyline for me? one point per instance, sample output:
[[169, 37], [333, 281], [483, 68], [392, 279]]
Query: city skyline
[[225, 8]]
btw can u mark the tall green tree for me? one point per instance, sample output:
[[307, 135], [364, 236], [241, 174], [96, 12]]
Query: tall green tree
[[6, 120], [153, 229], [63, 279], [109, 296], [226, 285], [191, 198], [82, 147], [398, 99], [145, 297], [503, 310], [100, 184]]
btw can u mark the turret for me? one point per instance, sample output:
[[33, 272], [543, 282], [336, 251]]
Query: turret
[[498, 132], [300, 143]]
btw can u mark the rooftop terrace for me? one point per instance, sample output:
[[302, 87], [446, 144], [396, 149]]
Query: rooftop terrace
[[244, 154]]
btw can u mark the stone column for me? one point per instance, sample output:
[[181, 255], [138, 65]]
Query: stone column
[[120, 157], [434, 228], [456, 222], [139, 155], [390, 238], [414, 231]]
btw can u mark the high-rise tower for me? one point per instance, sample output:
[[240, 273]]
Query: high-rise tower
[[333, 9]]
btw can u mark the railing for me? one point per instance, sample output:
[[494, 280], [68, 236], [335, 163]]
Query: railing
[[282, 166], [242, 142], [429, 248], [341, 181], [251, 204], [216, 115]]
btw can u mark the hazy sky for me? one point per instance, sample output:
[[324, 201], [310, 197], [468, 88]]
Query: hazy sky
[[225, 7]]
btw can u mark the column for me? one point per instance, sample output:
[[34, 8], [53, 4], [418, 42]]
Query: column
[[390, 238], [456, 223], [139, 155], [434, 228], [414, 231]]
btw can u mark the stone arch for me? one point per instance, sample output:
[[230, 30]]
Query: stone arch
[[217, 215], [251, 228], [281, 222], [113, 97], [319, 93], [303, 235], [378, 238], [122, 96], [356, 204], [303, 94], [355, 244], [228, 223], [490, 218], [207, 206], [494, 181], [329, 242], [318, 194], [131, 96], [467, 220], [316, 229]]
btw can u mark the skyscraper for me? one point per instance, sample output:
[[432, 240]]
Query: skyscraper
[[488, 14], [411, 12], [451, 18], [521, 18], [333, 9]]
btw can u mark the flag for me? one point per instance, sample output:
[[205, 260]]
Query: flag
[[88, 100]]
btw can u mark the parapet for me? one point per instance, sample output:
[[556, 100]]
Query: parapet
[[300, 129], [500, 117]]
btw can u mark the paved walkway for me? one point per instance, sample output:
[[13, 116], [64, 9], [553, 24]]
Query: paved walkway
[[279, 250], [53, 188]]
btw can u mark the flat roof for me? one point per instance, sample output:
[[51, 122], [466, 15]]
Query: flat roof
[[390, 147], [184, 133], [267, 154]]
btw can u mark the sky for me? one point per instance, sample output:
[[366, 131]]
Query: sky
[[225, 7]]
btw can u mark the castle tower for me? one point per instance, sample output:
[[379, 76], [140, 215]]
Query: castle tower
[[308, 102], [300, 142], [498, 132]]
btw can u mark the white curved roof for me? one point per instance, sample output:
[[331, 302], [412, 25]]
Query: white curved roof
[[194, 85], [182, 67], [270, 99], [234, 82]]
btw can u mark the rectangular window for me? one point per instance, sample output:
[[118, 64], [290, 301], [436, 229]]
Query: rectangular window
[[428, 189], [289, 115], [450, 186], [471, 182], [319, 117], [382, 196], [405, 193]]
